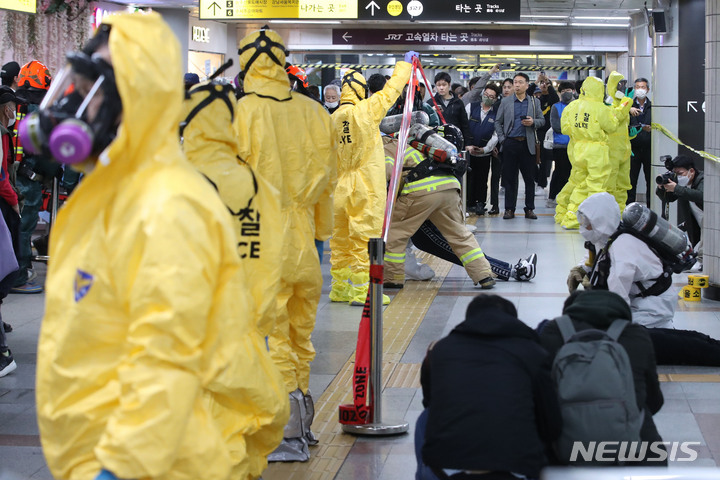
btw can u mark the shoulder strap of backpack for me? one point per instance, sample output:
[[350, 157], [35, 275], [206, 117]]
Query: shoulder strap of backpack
[[566, 327], [616, 328]]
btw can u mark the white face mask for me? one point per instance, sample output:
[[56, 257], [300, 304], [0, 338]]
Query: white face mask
[[331, 104], [640, 92], [11, 119], [592, 236], [683, 180]]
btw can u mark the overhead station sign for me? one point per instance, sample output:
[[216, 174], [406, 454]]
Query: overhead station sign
[[27, 6], [404, 36], [453, 10]]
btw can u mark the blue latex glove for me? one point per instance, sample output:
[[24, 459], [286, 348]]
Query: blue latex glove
[[105, 475], [320, 245], [410, 55]]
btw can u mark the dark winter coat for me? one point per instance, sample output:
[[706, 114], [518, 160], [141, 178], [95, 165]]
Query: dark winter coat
[[454, 113], [491, 403]]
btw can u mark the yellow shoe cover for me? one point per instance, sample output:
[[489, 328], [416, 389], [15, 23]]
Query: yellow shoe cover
[[570, 221], [340, 291], [359, 301]]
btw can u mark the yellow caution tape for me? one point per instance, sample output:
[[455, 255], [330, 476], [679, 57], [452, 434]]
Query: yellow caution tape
[[466, 68], [672, 137], [699, 281], [690, 294]]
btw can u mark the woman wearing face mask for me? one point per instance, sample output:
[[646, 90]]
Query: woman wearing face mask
[[482, 141], [8, 197], [331, 93], [560, 144], [640, 120]]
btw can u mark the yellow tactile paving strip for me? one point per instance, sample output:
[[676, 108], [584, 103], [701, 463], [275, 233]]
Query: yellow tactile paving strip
[[400, 321]]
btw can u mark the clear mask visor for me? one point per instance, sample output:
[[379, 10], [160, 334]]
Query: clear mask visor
[[72, 92]]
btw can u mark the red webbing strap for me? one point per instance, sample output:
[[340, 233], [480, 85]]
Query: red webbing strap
[[400, 153], [437, 107], [359, 412]]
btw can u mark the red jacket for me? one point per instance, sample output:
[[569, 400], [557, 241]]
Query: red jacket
[[7, 192]]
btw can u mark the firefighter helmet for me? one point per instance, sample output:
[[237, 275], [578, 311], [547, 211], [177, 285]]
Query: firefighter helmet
[[34, 75]]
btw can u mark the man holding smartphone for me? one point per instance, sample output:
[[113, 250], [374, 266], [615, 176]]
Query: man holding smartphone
[[516, 122]]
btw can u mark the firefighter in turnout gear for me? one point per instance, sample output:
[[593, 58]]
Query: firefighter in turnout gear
[[437, 198]]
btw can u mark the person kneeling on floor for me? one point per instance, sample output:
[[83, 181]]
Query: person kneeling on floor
[[435, 197], [603, 314], [490, 407], [432, 204]]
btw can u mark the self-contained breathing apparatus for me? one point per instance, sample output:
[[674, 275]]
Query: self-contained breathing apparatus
[[442, 145], [666, 241], [79, 116]]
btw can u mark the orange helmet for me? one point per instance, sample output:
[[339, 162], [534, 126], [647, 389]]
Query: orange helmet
[[298, 73], [35, 75]]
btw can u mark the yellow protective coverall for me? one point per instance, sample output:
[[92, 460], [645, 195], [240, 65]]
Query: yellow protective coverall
[[211, 145], [288, 140], [588, 122], [619, 143], [361, 190], [149, 364]]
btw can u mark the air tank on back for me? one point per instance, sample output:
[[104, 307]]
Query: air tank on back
[[660, 231], [391, 124], [427, 136]]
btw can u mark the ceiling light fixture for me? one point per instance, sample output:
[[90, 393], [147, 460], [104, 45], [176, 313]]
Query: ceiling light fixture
[[602, 18], [300, 21], [600, 25], [544, 16]]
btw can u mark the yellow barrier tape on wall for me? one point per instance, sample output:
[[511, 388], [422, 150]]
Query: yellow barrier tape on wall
[[672, 137]]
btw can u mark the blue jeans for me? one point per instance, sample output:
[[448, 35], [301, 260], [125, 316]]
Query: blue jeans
[[423, 471], [32, 191]]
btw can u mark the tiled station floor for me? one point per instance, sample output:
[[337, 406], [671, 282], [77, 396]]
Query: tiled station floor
[[417, 315]]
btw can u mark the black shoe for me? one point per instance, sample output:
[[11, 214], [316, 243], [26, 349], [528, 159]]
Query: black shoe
[[8, 327], [7, 364], [494, 211], [508, 215], [530, 214], [486, 283], [391, 285]]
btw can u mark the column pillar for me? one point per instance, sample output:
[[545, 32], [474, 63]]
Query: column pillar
[[711, 228], [664, 95]]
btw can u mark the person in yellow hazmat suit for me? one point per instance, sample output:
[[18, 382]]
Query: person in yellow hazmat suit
[[361, 190], [588, 122], [576, 173], [288, 141], [149, 363], [619, 141], [210, 144]]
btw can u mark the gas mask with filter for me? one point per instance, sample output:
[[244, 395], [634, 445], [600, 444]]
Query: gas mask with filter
[[79, 115]]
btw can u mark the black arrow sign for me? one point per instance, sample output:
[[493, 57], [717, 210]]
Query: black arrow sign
[[214, 6]]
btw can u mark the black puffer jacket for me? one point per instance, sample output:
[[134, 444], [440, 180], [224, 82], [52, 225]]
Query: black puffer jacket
[[454, 113], [598, 309], [491, 402]]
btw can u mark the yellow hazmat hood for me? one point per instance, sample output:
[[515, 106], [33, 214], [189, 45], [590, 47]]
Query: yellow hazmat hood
[[152, 95], [263, 75], [352, 90], [212, 125], [593, 89]]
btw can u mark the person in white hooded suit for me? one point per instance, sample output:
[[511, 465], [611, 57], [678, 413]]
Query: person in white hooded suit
[[631, 263]]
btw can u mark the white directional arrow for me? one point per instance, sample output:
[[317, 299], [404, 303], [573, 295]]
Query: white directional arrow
[[691, 104], [346, 36], [372, 6]]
